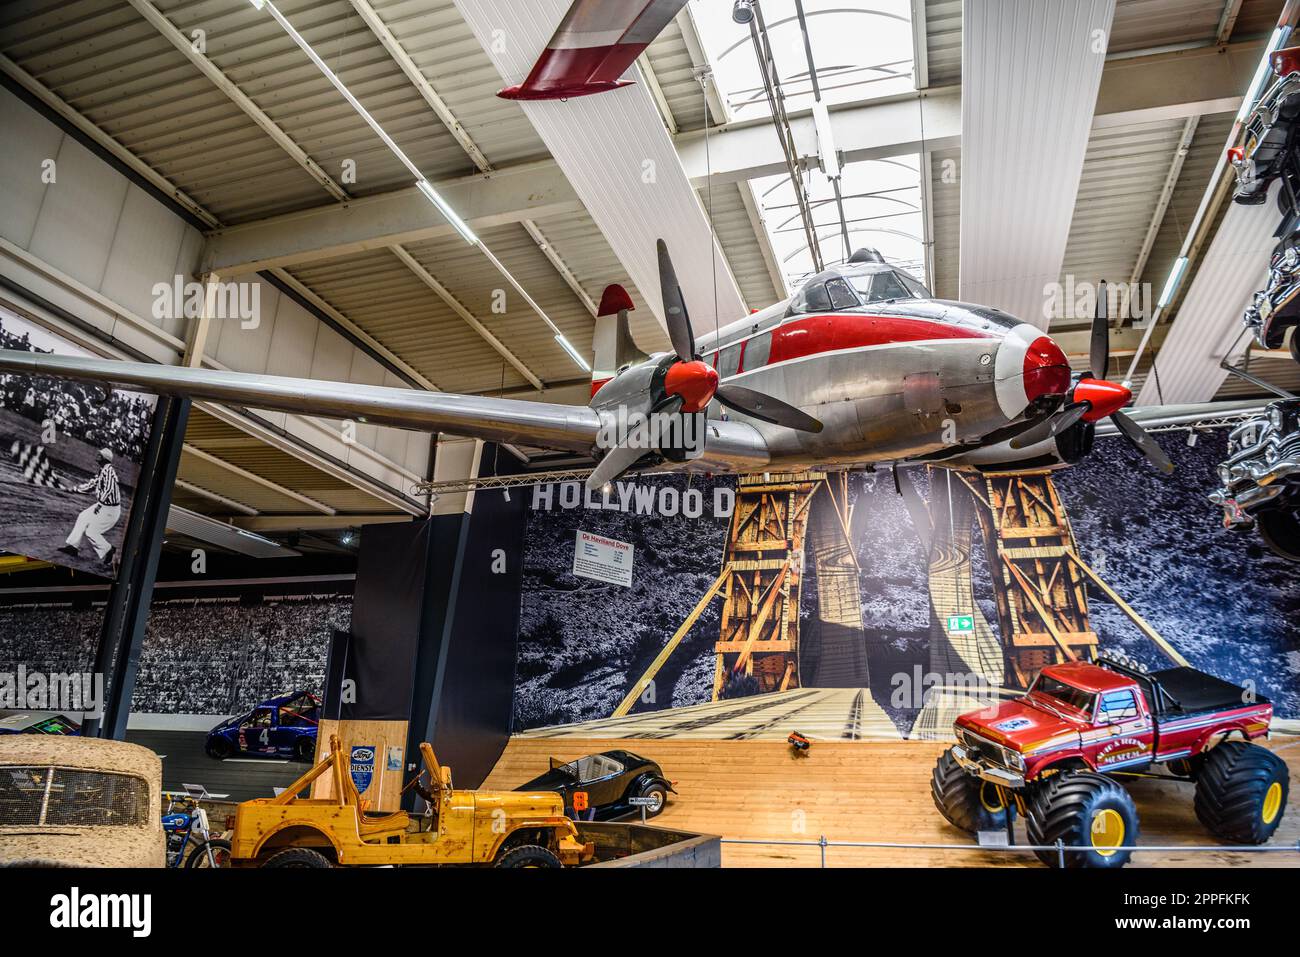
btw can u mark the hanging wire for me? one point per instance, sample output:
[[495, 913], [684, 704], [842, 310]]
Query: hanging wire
[[705, 76]]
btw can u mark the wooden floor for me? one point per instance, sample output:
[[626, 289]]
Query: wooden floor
[[862, 791]]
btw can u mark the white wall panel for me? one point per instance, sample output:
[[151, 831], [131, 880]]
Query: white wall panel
[[80, 214], [1030, 73], [144, 252], [366, 371], [28, 140], [247, 349], [293, 341]]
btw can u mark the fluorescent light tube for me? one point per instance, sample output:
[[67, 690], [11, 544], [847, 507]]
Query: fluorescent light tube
[[448, 213], [574, 354], [1171, 284]]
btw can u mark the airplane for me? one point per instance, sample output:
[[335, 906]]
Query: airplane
[[861, 367]]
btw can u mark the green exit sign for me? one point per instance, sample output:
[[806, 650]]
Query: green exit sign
[[961, 624]]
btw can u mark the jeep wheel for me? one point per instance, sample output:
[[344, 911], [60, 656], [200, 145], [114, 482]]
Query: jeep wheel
[[1083, 809], [297, 857], [966, 802], [1241, 792], [1280, 529], [528, 855], [304, 749], [659, 794]]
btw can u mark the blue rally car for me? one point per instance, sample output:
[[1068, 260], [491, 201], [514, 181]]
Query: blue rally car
[[283, 727]]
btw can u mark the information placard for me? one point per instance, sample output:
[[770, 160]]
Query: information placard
[[604, 559]]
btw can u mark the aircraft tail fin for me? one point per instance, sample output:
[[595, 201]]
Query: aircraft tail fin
[[612, 343]]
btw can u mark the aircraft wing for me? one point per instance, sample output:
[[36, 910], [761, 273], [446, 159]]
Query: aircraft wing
[[729, 446], [564, 427], [593, 46]]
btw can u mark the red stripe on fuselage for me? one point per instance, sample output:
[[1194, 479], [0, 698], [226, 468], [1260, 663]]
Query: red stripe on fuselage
[[811, 335]]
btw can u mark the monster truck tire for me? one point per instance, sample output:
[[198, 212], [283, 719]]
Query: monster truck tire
[[1083, 809], [297, 857], [528, 855], [965, 802], [1241, 792], [1280, 529], [219, 749], [304, 749]]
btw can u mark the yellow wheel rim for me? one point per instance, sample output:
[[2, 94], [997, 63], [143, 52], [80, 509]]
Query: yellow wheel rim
[[991, 798], [1107, 832], [1272, 802]]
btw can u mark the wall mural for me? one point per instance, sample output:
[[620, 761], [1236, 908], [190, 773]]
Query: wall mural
[[208, 656], [897, 621], [70, 454]]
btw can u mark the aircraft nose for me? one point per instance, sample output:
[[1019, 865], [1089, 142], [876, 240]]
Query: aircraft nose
[[1046, 369]]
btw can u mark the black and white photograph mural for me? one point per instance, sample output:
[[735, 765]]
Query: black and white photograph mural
[[70, 457], [201, 656], [925, 610]]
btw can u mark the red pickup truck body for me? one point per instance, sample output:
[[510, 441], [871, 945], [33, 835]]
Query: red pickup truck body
[[1105, 718]]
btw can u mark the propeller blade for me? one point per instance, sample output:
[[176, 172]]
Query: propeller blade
[[613, 465], [679, 322], [1053, 425], [1142, 441], [621, 458], [1099, 353], [765, 407]]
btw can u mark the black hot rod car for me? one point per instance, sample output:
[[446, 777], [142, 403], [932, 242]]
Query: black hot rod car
[[608, 781]]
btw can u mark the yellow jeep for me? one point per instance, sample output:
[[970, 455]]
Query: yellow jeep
[[502, 828]]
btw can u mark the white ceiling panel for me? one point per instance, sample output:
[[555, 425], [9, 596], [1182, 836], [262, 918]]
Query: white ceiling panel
[[1030, 76]]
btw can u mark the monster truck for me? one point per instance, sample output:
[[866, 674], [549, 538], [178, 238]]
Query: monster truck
[[1051, 756]]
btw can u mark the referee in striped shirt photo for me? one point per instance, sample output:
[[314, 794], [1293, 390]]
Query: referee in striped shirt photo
[[97, 519]]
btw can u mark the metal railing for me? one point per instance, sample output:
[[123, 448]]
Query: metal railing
[[1060, 847]]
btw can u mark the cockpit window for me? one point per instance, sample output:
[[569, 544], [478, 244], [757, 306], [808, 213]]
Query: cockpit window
[[812, 298], [876, 287], [841, 295], [916, 289]]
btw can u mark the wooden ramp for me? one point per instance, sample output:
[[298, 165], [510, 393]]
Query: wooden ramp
[[830, 714], [863, 791]]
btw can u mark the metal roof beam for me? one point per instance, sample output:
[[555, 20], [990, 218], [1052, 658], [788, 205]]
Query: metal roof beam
[[421, 83], [115, 149], [1174, 85], [237, 96], [511, 195], [256, 479], [470, 319], [892, 126]]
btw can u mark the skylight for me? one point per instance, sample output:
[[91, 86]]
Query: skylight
[[863, 51]]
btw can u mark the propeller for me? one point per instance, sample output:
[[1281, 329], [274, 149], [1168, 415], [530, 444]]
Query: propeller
[[690, 384], [687, 378], [1093, 398]]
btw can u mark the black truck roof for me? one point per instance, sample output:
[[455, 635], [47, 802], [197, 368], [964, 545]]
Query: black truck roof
[[1185, 690]]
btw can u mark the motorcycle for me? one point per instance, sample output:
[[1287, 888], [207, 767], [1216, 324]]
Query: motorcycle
[[1260, 479], [186, 825]]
